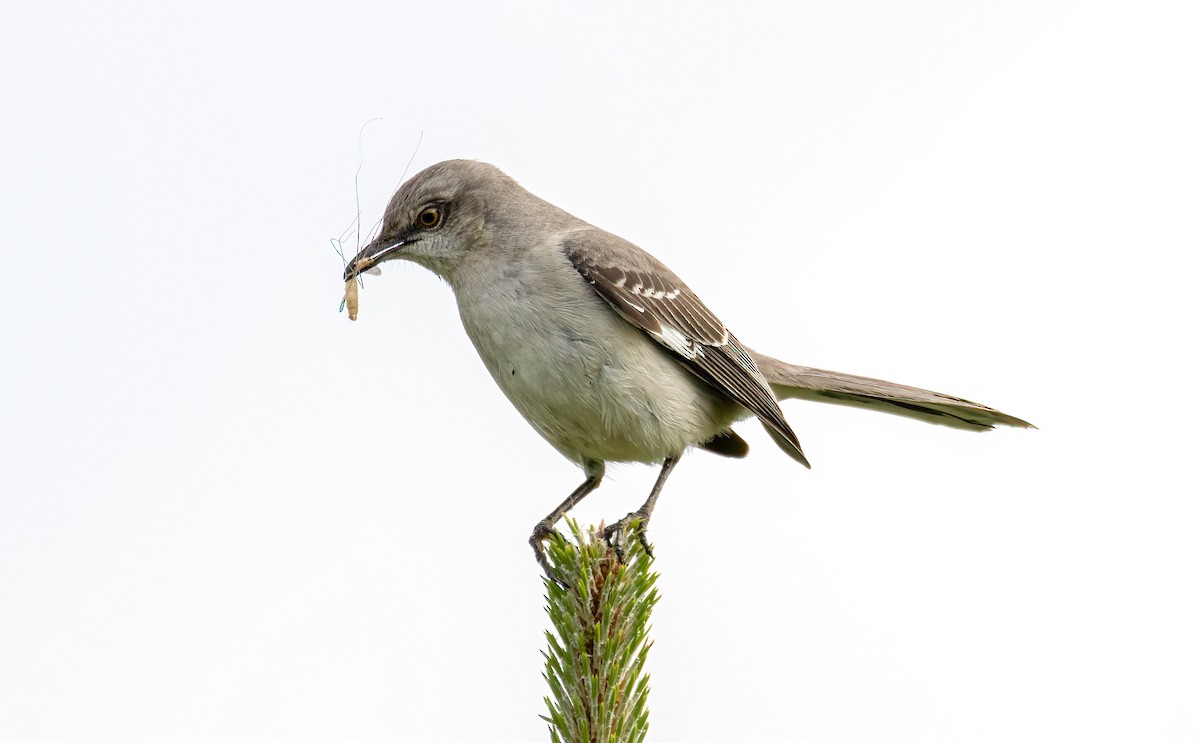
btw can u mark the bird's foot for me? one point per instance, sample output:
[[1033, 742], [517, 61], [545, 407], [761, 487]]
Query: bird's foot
[[543, 531], [615, 534]]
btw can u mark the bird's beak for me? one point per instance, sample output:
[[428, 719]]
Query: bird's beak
[[373, 253]]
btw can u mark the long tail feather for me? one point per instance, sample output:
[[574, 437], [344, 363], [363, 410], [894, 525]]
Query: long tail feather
[[806, 383]]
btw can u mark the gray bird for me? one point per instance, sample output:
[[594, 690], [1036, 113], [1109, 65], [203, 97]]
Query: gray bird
[[604, 350]]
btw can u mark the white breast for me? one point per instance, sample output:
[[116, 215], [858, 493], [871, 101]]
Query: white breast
[[591, 383]]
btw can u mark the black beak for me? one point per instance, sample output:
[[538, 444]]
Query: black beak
[[373, 253]]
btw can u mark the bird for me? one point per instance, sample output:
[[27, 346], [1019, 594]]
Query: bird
[[603, 350]]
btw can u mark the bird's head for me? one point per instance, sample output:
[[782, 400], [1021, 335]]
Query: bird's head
[[443, 215]]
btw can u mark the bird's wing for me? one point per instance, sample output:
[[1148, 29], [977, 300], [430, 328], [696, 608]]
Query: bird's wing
[[645, 292]]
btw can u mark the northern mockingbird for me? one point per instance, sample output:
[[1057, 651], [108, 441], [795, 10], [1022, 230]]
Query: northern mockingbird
[[604, 350]]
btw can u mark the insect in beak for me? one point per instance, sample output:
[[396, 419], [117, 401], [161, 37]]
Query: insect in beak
[[350, 298], [372, 255]]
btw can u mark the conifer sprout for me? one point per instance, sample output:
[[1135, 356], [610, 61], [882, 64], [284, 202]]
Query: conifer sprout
[[596, 659]]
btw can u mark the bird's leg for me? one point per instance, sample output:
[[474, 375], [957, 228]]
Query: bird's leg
[[545, 528], [642, 514]]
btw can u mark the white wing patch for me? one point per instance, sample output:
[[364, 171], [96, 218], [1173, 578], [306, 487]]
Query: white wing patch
[[639, 290], [679, 343]]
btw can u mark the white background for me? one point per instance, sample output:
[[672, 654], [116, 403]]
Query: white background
[[226, 513]]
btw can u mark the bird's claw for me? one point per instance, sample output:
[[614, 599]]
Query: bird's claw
[[618, 530], [541, 533]]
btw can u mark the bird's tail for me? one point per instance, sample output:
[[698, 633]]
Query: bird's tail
[[806, 383]]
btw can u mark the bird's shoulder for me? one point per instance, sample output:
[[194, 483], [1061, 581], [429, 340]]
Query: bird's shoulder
[[643, 290]]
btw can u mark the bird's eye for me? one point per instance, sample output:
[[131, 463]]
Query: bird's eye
[[430, 217]]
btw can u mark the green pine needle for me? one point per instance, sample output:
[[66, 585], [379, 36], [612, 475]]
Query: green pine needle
[[597, 652]]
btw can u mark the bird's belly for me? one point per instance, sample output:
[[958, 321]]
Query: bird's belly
[[593, 385]]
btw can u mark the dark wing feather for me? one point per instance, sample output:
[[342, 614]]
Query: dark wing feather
[[647, 294]]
